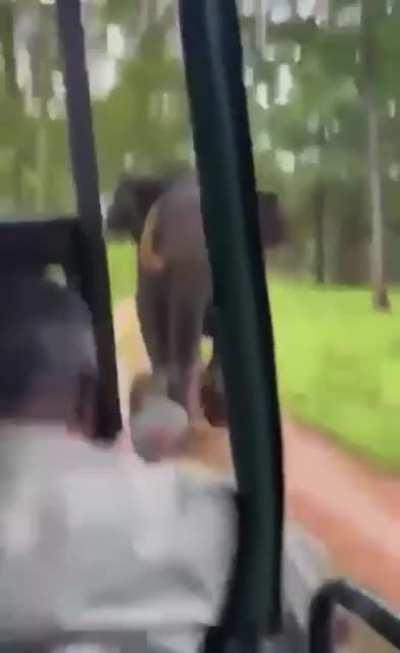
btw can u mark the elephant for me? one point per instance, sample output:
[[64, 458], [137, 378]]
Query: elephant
[[174, 296]]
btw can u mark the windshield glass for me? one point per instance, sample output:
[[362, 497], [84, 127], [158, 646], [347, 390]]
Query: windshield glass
[[323, 95]]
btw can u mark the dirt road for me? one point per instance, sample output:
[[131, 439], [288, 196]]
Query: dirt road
[[352, 509]]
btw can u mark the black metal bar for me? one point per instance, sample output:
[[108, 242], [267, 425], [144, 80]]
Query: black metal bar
[[358, 602], [48, 640], [16, 219], [32, 245], [92, 253], [213, 60]]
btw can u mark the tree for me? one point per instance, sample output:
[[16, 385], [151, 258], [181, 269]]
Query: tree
[[12, 91], [339, 52], [313, 125], [146, 114], [370, 13]]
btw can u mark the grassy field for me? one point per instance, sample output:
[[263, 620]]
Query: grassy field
[[122, 266], [338, 361], [339, 365]]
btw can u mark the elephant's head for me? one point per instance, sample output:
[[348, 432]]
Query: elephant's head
[[131, 203], [273, 224]]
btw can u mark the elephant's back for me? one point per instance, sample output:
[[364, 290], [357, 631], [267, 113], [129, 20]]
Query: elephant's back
[[181, 235]]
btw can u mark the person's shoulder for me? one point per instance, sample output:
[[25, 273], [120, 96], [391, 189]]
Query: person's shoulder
[[75, 472], [67, 457]]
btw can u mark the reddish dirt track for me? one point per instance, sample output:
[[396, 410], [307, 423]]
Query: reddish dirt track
[[353, 509]]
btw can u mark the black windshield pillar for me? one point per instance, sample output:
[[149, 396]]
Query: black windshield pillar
[[213, 62], [95, 287]]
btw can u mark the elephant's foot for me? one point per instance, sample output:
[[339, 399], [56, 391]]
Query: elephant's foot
[[212, 394]]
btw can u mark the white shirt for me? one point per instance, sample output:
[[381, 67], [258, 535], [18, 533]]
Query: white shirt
[[89, 539]]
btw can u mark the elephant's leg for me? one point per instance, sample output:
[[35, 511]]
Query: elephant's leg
[[188, 293], [183, 367], [151, 306]]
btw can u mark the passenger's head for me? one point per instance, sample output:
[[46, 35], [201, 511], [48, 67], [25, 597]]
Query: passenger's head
[[47, 355]]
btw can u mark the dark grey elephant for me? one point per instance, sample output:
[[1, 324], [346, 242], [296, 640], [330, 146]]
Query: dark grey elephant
[[174, 295]]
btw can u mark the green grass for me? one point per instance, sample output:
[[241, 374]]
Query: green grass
[[339, 365], [122, 266], [338, 360]]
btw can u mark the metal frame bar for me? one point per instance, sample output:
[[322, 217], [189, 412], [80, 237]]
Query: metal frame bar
[[47, 641], [92, 261], [213, 62], [372, 611]]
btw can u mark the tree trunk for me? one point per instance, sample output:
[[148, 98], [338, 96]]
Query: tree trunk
[[319, 233], [325, 10], [329, 13], [7, 31], [7, 42], [152, 10], [351, 251], [41, 64], [17, 180], [261, 10], [293, 9], [379, 295], [41, 160]]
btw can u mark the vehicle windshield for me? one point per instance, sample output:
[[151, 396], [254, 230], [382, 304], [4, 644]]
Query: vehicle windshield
[[323, 99]]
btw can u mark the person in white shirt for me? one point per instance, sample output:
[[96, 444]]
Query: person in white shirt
[[87, 538]]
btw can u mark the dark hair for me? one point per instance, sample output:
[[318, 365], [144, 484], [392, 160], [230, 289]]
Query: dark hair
[[45, 329]]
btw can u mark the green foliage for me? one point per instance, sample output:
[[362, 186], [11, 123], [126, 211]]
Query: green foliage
[[122, 270], [323, 122], [116, 11], [131, 118]]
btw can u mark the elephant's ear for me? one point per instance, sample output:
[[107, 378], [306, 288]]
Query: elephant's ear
[[273, 226], [148, 191], [142, 193]]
